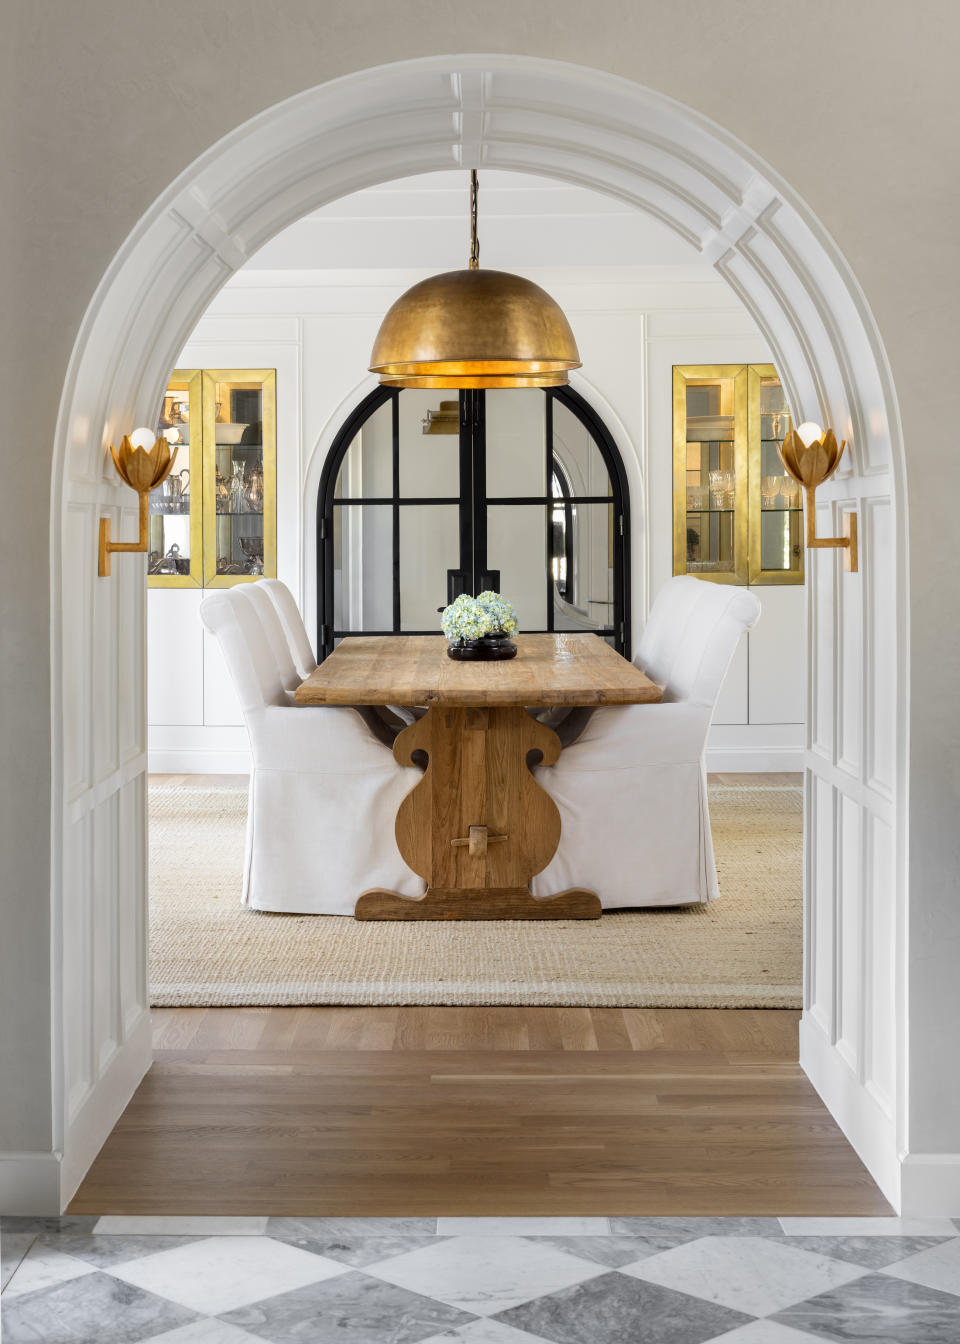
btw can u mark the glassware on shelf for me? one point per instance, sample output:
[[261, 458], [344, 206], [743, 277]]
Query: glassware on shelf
[[697, 499], [790, 489], [718, 488], [253, 490], [769, 489]]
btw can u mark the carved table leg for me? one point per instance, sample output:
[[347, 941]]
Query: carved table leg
[[477, 826]]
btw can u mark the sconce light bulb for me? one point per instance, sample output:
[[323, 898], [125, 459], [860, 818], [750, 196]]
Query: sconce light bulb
[[143, 438], [809, 433], [172, 435]]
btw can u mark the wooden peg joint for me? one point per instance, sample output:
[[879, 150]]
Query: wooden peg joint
[[477, 841]]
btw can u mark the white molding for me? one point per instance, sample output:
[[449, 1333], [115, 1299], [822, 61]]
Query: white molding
[[30, 1184], [930, 1185], [870, 1131], [752, 760], [198, 761], [104, 1105]]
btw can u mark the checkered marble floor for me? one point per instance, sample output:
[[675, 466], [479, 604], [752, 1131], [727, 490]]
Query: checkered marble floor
[[120, 1280]]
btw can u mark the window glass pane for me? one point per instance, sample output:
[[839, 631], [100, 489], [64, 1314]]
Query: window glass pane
[[169, 544], [583, 570], [363, 567], [711, 477], [429, 546], [516, 442], [239, 478], [576, 454], [367, 467], [516, 546], [429, 462]]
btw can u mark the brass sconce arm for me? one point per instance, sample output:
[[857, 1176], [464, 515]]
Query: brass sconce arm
[[143, 471], [811, 456]]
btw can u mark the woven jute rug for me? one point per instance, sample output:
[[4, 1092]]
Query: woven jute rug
[[741, 951]]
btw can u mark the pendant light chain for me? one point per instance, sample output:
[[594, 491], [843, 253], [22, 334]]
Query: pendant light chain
[[474, 239]]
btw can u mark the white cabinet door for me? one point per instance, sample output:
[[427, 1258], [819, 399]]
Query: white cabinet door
[[778, 656], [174, 657]]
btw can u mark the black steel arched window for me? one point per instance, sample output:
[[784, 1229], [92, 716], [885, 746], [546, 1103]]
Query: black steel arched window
[[424, 497]]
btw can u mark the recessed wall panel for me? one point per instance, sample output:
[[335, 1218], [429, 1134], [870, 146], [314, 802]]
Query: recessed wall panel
[[880, 913], [822, 913], [850, 933], [877, 541]]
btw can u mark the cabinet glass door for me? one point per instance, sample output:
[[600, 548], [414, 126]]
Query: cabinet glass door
[[710, 472], [776, 502], [239, 469], [176, 529]]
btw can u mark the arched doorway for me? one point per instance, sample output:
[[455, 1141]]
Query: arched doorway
[[609, 134], [525, 493]]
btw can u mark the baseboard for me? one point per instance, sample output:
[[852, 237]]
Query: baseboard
[[930, 1185], [87, 1131], [869, 1130], [167, 761], [755, 760], [30, 1183]]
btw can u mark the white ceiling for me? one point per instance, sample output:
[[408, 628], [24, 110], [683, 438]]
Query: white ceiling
[[525, 222]]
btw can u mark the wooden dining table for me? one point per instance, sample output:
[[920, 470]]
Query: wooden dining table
[[477, 826]]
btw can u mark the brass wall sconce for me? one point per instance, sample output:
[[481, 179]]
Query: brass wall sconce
[[143, 470], [811, 456]]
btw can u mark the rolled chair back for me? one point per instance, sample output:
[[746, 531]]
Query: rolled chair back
[[273, 632], [692, 635], [250, 661], [292, 622]]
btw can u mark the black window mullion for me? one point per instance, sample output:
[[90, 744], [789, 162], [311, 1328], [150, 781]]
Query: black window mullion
[[548, 439], [480, 561], [466, 487], [396, 513]]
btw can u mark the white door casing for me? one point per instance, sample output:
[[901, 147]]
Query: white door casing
[[602, 132]]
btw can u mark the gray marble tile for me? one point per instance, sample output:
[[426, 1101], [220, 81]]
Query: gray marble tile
[[937, 1267], [350, 1228], [13, 1247], [610, 1251], [339, 1239], [95, 1309], [677, 1230], [48, 1225], [350, 1309], [871, 1252], [523, 1227], [109, 1250], [178, 1225], [878, 1309], [615, 1309]]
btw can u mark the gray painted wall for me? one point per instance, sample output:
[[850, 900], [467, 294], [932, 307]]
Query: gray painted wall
[[856, 105]]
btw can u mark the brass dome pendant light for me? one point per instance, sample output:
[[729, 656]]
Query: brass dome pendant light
[[474, 328]]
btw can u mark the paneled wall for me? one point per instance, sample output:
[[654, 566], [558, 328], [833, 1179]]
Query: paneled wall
[[317, 328]]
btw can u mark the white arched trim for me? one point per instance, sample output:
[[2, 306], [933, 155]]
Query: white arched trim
[[602, 132]]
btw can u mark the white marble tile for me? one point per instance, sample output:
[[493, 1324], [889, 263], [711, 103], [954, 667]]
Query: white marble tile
[[747, 1274], [120, 1225], [485, 1275], [221, 1273], [42, 1267], [868, 1227], [204, 1332], [484, 1332], [938, 1267], [523, 1227], [766, 1332]]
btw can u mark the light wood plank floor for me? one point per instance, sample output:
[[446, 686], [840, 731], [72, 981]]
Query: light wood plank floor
[[426, 1111]]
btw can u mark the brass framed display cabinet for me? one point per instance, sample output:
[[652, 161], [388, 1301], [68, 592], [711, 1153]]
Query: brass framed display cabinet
[[737, 515], [213, 522]]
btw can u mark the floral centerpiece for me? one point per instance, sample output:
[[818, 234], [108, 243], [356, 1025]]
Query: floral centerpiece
[[480, 627]]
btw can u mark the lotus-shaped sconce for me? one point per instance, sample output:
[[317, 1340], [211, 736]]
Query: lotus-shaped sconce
[[143, 470], [811, 455]]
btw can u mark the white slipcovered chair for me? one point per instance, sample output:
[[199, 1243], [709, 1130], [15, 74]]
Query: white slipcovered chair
[[324, 791], [632, 788]]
